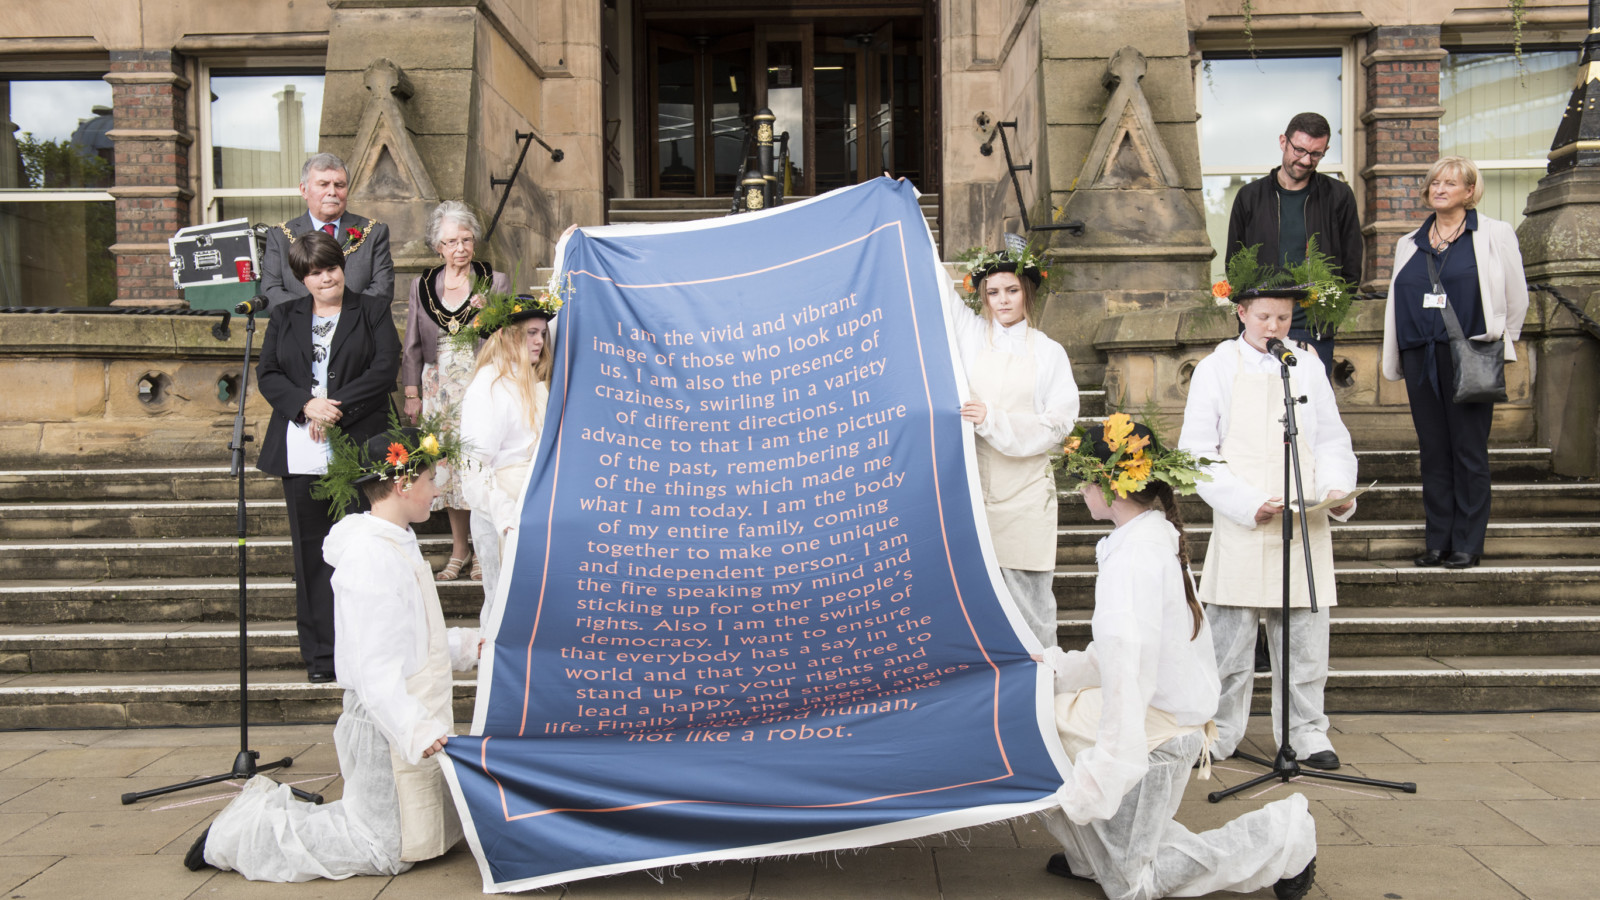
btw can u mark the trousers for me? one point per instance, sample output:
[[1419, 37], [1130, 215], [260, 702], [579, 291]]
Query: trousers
[[1454, 442], [1233, 634], [1036, 599]]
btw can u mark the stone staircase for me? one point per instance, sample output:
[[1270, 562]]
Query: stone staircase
[[1519, 632], [118, 597]]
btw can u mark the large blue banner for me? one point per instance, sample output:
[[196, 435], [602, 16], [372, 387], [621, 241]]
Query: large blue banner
[[751, 606]]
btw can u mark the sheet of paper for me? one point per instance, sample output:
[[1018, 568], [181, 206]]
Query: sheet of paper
[[1340, 501], [307, 456]]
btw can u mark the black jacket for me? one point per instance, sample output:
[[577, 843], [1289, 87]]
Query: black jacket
[[365, 360], [368, 270], [1330, 217]]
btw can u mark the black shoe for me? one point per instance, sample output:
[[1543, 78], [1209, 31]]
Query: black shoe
[[1058, 866], [1263, 656], [1461, 560], [1430, 558], [320, 677], [1296, 887], [1327, 760], [195, 859]]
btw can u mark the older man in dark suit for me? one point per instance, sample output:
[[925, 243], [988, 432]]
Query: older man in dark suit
[[368, 268]]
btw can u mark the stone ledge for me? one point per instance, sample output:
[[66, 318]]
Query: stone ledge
[[172, 78], [149, 192], [150, 134], [1320, 24], [235, 43], [1177, 253], [122, 249], [1379, 170], [1402, 112], [1423, 54]]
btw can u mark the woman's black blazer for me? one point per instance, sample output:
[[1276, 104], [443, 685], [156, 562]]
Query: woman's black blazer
[[364, 363]]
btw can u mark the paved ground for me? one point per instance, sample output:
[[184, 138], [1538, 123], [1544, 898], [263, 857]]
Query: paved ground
[[1508, 807]]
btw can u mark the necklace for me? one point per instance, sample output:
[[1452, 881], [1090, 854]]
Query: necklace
[[451, 320], [1440, 241]]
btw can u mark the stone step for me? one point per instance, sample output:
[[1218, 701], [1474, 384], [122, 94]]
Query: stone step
[[182, 558], [151, 699], [1358, 540], [1397, 501], [282, 696], [151, 647], [1436, 632], [68, 603], [1505, 464], [153, 483], [155, 519], [1399, 584]]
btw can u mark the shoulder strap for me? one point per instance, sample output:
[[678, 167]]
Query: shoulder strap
[[1452, 324]]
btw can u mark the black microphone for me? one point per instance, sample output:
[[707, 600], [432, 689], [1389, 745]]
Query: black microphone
[[252, 306], [1281, 353]]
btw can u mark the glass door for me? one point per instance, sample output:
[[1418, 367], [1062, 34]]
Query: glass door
[[701, 94]]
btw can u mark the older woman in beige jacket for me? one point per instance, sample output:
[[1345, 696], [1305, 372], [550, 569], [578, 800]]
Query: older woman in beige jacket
[[1475, 262]]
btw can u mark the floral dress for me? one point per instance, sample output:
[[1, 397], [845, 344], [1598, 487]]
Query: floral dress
[[444, 383]]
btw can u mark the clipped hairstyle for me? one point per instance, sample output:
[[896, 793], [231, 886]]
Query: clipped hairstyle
[[1028, 294], [1462, 168], [1310, 124], [323, 162], [383, 487], [312, 251], [451, 211]]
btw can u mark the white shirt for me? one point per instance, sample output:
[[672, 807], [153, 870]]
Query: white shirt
[[1210, 408], [495, 431], [1145, 653], [380, 624], [1055, 393]]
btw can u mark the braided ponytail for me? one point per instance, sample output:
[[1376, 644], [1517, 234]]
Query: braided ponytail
[[1162, 491]]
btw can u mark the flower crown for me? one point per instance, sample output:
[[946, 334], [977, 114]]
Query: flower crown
[[398, 455], [1017, 257], [1312, 283], [497, 310], [1133, 457]]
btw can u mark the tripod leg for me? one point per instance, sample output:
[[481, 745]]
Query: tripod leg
[[137, 796], [1409, 787], [1219, 796]]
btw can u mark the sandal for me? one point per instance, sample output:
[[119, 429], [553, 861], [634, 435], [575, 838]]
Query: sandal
[[476, 574], [452, 570]]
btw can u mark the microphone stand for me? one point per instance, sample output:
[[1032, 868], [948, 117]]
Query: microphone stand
[[1286, 766], [245, 765]]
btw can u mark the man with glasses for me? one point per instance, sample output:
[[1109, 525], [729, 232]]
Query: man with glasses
[[368, 268], [1293, 204]]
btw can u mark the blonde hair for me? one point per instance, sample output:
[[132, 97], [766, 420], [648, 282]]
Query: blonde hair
[[1027, 296], [507, 352], [1461, 167]]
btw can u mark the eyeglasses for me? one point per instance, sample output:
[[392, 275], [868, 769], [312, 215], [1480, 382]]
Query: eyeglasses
[[453, 243], [1302, 153]]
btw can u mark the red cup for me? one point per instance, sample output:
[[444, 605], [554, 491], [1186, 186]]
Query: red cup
[[242, 266]]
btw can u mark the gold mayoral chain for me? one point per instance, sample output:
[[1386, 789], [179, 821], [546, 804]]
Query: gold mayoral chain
[[349, 248], [451, 322]]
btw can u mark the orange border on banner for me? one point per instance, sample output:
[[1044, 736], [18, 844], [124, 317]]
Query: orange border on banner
[[944, 535]]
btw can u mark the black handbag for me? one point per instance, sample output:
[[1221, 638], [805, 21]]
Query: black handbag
[[1480, 366]]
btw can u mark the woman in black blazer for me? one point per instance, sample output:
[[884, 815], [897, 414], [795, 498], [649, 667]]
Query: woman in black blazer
[[327, 359]]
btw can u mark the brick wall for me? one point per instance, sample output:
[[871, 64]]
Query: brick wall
[[151, 138], [1402, 136]]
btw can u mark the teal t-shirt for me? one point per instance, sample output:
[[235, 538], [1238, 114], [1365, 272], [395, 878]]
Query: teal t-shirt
[[1292, 236]]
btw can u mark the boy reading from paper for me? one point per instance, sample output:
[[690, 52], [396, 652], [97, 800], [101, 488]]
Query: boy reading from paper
[[1235, 411], [394, 657]]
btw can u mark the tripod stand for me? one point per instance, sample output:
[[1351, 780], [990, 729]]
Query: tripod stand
[[245, 766], [1286, 766]]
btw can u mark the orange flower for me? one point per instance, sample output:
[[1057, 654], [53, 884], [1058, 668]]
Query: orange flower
[[398, 455], [1137, 469], [1044, 273], [1222, 289], [1072, 444], [966, 283]]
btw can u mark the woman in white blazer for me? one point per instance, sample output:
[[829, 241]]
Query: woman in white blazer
[[1476, 267]]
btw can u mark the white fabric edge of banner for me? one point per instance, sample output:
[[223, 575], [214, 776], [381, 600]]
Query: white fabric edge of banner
[[469, 828], [855, 839]]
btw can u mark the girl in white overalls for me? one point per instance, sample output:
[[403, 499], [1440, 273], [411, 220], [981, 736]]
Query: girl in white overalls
[[502, 416], [1023, 403], [394, 657], [1235, 411]]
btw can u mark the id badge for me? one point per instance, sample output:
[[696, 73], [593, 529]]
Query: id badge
[[1433, 301]]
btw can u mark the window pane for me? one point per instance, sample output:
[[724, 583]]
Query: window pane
[[1505, 192], [1492, 110], [675, 127], [270, 210], [53, 134], [56, 253], [263, 128], [1218, 192], [1245, 103]]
